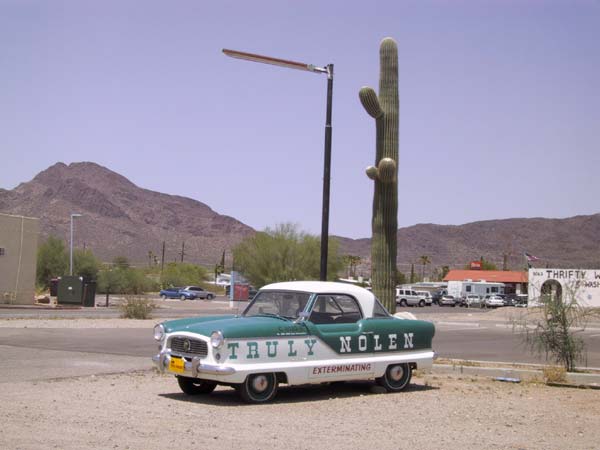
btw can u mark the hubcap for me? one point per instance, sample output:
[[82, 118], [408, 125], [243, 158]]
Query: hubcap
[[396, 373], [260, 383]]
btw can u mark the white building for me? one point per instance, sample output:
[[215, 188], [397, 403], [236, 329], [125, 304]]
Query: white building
[[583, 284]]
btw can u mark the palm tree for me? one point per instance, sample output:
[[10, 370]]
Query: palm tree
[[424, 259]]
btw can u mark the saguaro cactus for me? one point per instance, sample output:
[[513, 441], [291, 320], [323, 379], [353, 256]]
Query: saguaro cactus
[[384, 109]]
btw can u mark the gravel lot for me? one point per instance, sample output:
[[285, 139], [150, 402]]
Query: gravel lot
[[147, 411]]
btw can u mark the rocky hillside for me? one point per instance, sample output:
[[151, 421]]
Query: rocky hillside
[[120, 218], [123, 219]]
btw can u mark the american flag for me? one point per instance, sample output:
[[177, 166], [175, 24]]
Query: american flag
[[530, 257]]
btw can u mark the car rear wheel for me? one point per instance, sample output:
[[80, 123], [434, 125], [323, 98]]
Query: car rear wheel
[[396, 377], [258, 388], [193, 386], [210, 297], [164, 297], [403, 302]]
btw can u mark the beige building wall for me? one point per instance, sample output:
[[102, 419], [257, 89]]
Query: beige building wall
[[18, 259]]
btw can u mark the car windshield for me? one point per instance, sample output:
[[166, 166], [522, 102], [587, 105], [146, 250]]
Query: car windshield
[[284, 304]]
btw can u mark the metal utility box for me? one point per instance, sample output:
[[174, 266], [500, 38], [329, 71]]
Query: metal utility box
[[70, 290]]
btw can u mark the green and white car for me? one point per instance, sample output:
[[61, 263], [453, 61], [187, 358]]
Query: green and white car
[[295, 333]]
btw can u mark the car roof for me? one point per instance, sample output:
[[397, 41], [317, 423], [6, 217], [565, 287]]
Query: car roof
[[364, 297]]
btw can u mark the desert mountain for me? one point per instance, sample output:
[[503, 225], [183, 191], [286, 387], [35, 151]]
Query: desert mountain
[[571, 242], [120, 218]]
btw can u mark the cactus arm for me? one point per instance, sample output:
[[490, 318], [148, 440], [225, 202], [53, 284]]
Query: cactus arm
[[369, 100], [387, 170], [372, 172]]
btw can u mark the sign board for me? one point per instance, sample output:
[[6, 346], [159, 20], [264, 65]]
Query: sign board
[[240, 291], [475, 265], [582, 284]]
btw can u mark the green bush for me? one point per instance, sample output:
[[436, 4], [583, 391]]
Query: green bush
[[182, 274], [283, 254], [137, 308]]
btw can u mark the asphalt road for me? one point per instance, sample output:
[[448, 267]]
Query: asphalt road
[[41, 353]]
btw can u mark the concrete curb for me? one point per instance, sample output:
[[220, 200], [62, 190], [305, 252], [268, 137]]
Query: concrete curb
[[574, 379]]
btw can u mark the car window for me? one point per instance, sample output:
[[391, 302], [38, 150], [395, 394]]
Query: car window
[[335, 308], [379, 310], [280, 303]]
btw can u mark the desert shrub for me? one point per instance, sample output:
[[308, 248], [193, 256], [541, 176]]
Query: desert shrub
[[137, 308], [554, 374], [554, 328]]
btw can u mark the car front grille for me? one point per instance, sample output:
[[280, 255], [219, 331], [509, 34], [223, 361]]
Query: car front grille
[[188, 346]]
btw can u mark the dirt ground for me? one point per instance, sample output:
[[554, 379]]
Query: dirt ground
[[148, 411]]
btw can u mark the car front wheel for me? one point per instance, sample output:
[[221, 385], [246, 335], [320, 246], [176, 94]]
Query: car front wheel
[[422, 303], [258, 388], [396, 377], [192, 386], [182, 297]]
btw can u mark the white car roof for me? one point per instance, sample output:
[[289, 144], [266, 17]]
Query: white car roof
[[364, 297]]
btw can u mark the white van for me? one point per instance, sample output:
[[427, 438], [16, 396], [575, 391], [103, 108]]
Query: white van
[[405, 297], [427, 296]]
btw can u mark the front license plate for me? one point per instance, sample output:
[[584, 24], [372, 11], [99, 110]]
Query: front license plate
[[177, 365]]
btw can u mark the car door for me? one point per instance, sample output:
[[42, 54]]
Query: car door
[[337, 320]]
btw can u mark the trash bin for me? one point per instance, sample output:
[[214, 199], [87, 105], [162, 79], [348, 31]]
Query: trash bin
[[70, 290], [54, 287], [89, 293]]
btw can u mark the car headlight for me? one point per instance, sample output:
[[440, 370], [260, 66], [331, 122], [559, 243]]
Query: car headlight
[[159, 332], [216, 339]]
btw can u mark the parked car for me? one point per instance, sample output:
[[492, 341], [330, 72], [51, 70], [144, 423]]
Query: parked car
[[493, 301], [426, 295], [200, 292], [177, 292], [447, 300], [471, 301], [408, 297], [300, 332], [521, 301], [435, 297]]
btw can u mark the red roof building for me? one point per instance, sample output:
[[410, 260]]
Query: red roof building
[[494, 276]]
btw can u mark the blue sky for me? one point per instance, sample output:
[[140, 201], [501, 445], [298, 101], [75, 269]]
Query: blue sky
[[499, 104]]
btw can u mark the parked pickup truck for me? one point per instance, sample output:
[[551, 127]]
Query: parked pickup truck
[[177, 292]]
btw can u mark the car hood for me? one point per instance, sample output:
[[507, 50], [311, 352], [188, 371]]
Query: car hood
[[236, 326]]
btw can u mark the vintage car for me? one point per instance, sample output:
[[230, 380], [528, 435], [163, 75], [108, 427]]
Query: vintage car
[[299, 332]]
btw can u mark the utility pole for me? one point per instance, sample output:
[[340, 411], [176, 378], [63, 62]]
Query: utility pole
[[182, 250], [162, 261]]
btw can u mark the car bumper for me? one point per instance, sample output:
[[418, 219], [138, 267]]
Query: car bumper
[[194, 368]]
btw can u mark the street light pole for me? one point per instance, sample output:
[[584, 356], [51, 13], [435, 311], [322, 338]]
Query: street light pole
[[71, 245], [328, 128]]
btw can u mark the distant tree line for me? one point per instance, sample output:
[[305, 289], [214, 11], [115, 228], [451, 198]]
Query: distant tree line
[[117, 277]]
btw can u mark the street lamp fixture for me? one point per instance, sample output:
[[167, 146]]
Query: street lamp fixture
[[71, 244], [328, 70]]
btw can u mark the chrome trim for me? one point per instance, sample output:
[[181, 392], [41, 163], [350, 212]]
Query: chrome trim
[[198, 368], [193, 368]]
